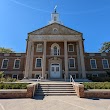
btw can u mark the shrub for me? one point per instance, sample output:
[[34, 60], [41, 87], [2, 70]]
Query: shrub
[[97, 85], [13, 85]]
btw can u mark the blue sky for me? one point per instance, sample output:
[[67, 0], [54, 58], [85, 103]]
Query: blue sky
[[19, 17]]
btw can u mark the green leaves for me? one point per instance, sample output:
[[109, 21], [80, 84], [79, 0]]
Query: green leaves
[[97, 85], [105, 47], [6, 50]]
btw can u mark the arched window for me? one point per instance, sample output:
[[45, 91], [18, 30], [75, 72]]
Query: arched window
[[55, 49]]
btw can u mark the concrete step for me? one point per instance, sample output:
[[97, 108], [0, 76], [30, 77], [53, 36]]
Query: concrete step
[[55, 86], [55, 89], [56, 94]]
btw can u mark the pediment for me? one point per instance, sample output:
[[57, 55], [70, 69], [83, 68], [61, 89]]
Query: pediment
[[55, 29]]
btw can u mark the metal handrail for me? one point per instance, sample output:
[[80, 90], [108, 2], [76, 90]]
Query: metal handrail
[[72, 80]]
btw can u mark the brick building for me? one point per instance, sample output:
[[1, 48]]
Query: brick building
[[53, 52]]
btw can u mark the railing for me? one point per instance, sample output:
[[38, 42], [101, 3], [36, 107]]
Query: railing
[[72, 80]]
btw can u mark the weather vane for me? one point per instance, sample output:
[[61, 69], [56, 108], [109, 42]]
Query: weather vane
[[55, 9]]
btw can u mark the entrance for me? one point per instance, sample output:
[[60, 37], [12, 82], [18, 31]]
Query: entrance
[[55, 71]]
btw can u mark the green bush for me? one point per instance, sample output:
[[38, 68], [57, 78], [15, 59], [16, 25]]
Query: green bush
[[97, 85], [8, 79], [13, 85]]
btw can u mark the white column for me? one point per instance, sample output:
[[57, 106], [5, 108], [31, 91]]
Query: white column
[[44, 60], [82, 59], [31, 61], [66, 58], [28, 55], [78, 60]]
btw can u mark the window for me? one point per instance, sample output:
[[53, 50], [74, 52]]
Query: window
[[55, 18], [71, 63], [39, 48], [16, 64], [38, 62], [55, 49], [105, 63], [15, 76], [94, 75], [4, 63], [93, 64], [70, 48]]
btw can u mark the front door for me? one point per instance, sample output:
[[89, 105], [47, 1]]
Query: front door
[[55, 71]]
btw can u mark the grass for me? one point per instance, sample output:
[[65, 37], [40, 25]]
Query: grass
[[13, 86], [97, 85]]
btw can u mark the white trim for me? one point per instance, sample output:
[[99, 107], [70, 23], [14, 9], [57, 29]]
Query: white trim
[[55, 66], [74, 63], [37, 48], [55, 38], [107, 63], [52, 49], [15, 74], [14, 64], [36, 63], [68, 47], [95, 64], [3, 62]]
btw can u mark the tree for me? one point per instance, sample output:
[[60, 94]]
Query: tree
[[6, 50], [105, 47]]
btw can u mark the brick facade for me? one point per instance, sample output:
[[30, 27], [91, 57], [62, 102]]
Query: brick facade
[[61, 36]]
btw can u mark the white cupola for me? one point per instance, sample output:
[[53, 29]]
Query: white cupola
[[55, 17]]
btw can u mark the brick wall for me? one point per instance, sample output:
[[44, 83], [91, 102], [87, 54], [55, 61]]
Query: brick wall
[[79, 88], [27, 93]]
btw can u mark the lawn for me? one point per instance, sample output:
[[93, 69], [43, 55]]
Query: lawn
[[96, 85]]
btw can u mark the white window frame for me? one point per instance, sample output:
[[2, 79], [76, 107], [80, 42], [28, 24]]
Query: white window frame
[[15, 74], [107, 63], [52, 49], [74, 63], [95, 64], [3, 62], [68, 47], [36, 63], [39, 50], [14, 64]]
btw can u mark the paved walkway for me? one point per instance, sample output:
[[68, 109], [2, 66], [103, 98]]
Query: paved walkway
[[55, 103]]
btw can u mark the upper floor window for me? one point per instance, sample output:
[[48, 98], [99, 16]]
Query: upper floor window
[[4, 64], [17, 64], [55, 49], [105, 63], [55, 18], [38, 62], [39, 48], [70, 48], [93, 64], [71, 63]]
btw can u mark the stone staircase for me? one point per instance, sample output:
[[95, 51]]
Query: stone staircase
[[55, 89]]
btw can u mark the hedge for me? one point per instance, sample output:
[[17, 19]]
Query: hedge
[[97, 85], [13, 85]]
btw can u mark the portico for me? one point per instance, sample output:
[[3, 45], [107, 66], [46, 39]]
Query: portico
[[55, 51]]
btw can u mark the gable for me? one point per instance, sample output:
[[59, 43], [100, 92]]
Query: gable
[[55, 29]]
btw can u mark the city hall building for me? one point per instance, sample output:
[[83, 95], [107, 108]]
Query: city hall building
[[54, 52]]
